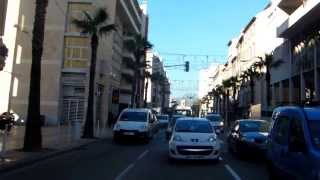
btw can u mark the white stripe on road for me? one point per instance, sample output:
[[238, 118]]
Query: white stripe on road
[[123, 173], [232, 172], [143, 154]]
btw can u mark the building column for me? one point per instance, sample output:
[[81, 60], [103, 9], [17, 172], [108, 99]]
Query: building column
[[291, 90], [317, 83], [281, 91], [273, 97], [316, 76], [302, 88]]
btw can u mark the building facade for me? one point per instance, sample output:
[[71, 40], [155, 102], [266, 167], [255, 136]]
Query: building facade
[[66, 58], [157, 86]]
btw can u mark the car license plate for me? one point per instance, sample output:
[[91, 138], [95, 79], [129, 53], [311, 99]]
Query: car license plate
[[128, 133]]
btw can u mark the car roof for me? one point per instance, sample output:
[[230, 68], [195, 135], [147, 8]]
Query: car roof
[[137, 110], [193, 119], [216, 115], [312, 113], [251, 120]]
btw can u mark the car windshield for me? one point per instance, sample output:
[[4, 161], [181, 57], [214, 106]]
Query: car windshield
[[315, 132], [254, 126], [162, 117], [214, 118], [194, 126], [134, 116]]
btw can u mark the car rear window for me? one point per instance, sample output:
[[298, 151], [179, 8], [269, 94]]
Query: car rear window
[[315, 132], [254, 126], [162, 117], [134, 116], [193, 126], [214, 118]]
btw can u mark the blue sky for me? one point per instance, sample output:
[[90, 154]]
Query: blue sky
[[201, 27]]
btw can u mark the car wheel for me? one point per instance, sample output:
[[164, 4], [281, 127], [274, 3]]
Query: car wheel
[[116, 138], [171, 160]]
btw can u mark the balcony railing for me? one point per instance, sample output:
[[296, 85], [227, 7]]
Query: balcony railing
[[73, 110]]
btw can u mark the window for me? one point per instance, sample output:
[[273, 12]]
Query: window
[[281, 130], [75, 11], [296, 132], [134, 116], [76, 52]]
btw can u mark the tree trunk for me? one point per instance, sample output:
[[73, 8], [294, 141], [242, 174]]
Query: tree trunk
[[89, 123], [146, 93], [268, 78], [252, 90], [33, 137]]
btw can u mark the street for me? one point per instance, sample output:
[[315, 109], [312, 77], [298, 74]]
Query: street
[[129, 161]]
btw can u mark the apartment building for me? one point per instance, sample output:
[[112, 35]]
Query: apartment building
[[157, 87], [9, 13], [298, 80], [66, 58]]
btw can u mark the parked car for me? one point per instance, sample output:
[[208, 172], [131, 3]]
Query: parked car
[[194, 138], [163, 120], [135, 122], [294, 143], [248, 136], [171, 124], [216, 122]]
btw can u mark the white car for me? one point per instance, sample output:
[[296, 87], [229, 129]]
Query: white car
[[194, 138], [135, 122]]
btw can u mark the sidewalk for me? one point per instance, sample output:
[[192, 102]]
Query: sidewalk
[[55, 141]]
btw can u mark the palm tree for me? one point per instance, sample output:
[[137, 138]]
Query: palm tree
[[269, 63], [3, 54], [138, 47], [33, 137], [94, 26], [251, 74]]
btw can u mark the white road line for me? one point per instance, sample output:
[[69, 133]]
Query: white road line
[[123, 173], [143, 154], [232, 172]]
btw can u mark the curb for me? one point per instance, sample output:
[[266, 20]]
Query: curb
[[33, 160]]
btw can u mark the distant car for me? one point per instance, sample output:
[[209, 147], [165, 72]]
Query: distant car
[[171, 124], [248, 136], [194, 138], [163, 120], [135, 122], [294, 143], [216, 122]]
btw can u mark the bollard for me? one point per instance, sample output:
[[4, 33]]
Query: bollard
[[4, 142], [76, 129]]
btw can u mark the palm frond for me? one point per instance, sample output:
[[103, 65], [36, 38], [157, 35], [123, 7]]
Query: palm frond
[[84, 25], [88, 16], [100, 16], [107, 29]]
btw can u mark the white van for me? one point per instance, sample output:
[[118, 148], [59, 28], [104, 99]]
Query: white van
[[135, 122]]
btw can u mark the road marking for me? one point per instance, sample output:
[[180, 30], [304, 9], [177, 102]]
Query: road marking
[[232, 172], [143, 154], [123, 173]]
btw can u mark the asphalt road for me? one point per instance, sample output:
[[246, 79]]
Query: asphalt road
[[137, 161]]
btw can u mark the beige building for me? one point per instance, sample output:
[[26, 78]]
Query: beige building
[[66, 58]]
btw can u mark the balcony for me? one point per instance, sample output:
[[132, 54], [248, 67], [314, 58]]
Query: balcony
[[289, 6], [302, 19], [130, 13]]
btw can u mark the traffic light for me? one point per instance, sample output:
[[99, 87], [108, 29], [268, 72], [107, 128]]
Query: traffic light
[[187, 66]]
